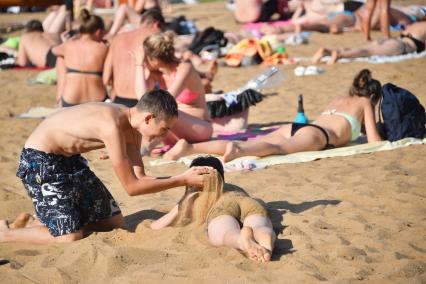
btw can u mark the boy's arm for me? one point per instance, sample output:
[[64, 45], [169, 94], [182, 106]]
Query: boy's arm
[[22, 59], [122, 164], [107, 72], [59, 50]]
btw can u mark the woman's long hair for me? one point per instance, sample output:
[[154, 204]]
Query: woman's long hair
[[194, 207]]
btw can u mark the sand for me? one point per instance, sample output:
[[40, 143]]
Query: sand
[[342, 220]]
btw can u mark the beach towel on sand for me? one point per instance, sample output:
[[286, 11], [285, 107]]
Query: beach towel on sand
[[255, 163], [38, 112]]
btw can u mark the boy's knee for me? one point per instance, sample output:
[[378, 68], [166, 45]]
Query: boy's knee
[[69, 237]]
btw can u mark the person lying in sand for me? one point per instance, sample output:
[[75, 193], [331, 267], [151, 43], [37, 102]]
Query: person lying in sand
[[35, 47], [413, 39], [118, 66], [349, 16], [252, 11], [80, 64], [181, 79], [67, 196], [335, 127], [221, 209]]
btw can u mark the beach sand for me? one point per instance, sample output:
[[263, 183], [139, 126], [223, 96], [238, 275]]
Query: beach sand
[[342, 220]]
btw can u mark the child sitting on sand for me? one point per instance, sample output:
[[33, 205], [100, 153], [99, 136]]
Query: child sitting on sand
[[224, 210]]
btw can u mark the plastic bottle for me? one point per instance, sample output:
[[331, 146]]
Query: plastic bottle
[[271, 77], [300, 117]]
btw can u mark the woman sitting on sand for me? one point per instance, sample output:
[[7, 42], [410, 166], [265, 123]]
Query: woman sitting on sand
[[221, 210], [181, 80], [413, 39], [336, 126], [80, 64]]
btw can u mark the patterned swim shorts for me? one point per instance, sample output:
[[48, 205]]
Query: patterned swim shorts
[[65, 193]]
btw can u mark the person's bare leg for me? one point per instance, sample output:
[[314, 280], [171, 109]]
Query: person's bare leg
[[183, 148], [384, 17], [22, 221], [370, 6], [58, 24], [34, 235], [47, 22], [225, 231], [263, 233], [278, 142], [320, 54], [247, 11], [339, 22], [124, 13]]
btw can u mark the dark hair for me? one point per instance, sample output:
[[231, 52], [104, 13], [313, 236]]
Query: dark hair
[[90, 23], [152, 16], [159, 102], [33, 26], [365, 86], [209, 161]]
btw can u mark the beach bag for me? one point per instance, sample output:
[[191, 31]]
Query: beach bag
[[208, 37], [403, 115]]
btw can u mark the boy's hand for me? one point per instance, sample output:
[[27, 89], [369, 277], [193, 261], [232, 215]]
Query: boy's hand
[[194, 176]]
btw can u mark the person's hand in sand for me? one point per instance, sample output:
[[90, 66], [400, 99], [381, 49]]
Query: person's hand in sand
[[221, 211]]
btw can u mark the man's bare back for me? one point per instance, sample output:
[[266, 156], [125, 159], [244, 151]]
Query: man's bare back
[[119, 68], [34, 47]]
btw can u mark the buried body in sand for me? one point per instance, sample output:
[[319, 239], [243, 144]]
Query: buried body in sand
[[221, 209]]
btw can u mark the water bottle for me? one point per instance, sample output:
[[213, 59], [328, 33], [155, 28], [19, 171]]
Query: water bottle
[[300, 117], [271, 77]]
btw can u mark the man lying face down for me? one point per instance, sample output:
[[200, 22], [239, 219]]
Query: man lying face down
[[67, 196]]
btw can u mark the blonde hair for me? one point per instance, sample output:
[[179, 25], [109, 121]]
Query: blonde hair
[[161, 46], [195, 207]]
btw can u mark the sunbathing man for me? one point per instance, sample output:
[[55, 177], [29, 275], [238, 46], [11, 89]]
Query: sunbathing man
[[413, 39], [67, 196], [118, 67], [36, 44], [339, 124]]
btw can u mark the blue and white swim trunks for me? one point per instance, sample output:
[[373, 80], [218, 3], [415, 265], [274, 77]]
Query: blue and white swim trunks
[[65, 193]]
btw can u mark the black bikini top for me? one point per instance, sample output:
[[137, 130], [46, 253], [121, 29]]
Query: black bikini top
[[420, 46], [97, 73]]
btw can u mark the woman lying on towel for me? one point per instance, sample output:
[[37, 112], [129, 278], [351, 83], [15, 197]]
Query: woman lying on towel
[[335, 127], [411, 40], [181, 79], [230, 217], [80, 64]]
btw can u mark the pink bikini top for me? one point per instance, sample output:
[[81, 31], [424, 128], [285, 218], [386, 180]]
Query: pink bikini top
[[187, 96]]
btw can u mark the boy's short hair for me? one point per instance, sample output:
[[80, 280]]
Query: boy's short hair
[[159, 102], [153, 15], [33, 26]]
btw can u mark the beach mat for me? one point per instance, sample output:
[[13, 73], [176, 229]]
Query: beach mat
[[255, 163], [373, 59], [37, 112]]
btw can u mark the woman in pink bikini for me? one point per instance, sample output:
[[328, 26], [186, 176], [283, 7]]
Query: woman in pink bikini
[[157, 55]]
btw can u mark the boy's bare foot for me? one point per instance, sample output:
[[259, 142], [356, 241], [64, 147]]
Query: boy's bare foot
[[320, 54], [247, 243], [232, 151], [334, 56], [22, 221], [180, 149]]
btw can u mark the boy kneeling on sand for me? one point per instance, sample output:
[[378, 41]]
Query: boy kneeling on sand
[[67, 196]]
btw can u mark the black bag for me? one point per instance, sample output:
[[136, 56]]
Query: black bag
[[209, 36], [403, 115]]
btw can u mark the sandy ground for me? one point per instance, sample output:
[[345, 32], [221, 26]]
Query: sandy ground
[[343, 220]]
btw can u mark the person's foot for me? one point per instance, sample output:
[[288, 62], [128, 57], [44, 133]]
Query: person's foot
[[180, 149], [320, 54], [248, 244], [231, 152], [22, 221], [334, 56]]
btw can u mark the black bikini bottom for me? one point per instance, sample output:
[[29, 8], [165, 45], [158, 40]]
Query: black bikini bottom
[[67, 104], [296, 126], [50, 59]]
